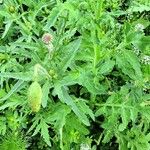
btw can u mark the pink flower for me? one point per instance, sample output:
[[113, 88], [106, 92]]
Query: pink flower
[[47, 38]]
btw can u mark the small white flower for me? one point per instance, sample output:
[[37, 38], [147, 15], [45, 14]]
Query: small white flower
[[130, 15], [139, 27], [146, 60], [136, 50], [84, 147]]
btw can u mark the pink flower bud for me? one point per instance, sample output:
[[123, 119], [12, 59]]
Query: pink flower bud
[[47, 38]]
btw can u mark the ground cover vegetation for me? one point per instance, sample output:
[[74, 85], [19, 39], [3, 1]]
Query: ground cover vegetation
[[74, 75]]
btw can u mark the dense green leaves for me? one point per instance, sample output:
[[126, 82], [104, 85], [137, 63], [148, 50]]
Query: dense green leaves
[[91, 59], [64, 97], [129, 64]]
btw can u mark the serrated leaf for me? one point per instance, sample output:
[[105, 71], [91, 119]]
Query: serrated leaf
[[31, 46], [133, 114], [138, 8], [87, 81], [73, 123], [7, 27], [45, 132], [20, 75], [73, 48], [8, 105], [65, 97], [58, 117], [35, 123], [37, 130], [133, 60], [13, 90], [70, 79], [125, 114], [3, 125], [69, 34], [45, 92], [129, 64], [52, 18], [85, 108], [100, 111], [107, 137], [107, 66]]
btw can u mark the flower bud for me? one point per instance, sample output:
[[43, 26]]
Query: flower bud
[[11, 9], [47, 38], [35, 96]]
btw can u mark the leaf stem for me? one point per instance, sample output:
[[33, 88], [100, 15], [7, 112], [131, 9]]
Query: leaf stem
[[61, 140], [115, 105]]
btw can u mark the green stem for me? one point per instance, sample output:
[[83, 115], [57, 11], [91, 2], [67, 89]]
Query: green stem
[[99, 9], [35, 74], [96, 53], [115, 105], [61, 141], [94, 30]]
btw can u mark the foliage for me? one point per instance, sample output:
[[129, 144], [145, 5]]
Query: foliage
[[83, 65], [13, 141]]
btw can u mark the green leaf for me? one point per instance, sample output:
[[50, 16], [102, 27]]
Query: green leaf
[[37, 130], [134, 62], [31, 46], [85, 108], [125, 115], [138, 8], [66, 98], [3, 125], [13, 90], [45, 132], [100, 111], [8, 105], [35, 123], [106, 67], [71, 78], [108, 136], [73, 123], [73, 48], [58, 117], [45, 90], [86, 79], [133, 114], [7, 27], [20, 75], [52, 18], [129, 64]]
